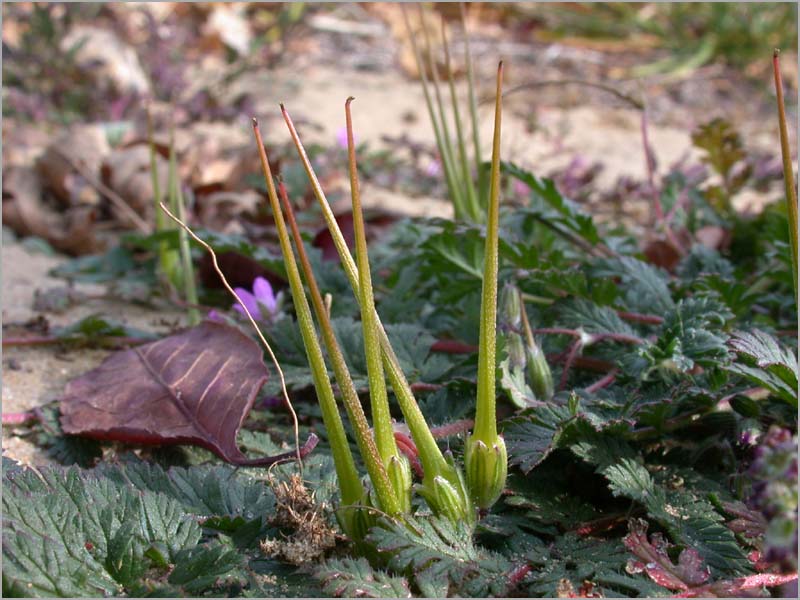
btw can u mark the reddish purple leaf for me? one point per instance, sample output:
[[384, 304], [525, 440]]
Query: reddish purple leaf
[[739, 587], [324, 240], [689, 577], [195, 387], [688, 573]]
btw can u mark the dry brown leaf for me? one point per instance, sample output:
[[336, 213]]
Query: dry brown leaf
[[228, 23], [223, 210], [106, 59], [84, 144], [127, 172], [26, 213]]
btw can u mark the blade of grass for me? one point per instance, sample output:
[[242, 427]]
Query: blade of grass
[[466, 176], [166, 256], [189, 287], [788, 171], [182, 267], [441, 141], [473, 111], [352, 491], [437, 92]]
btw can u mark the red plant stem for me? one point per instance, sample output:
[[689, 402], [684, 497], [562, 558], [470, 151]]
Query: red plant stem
[[591, 364], [51, 340], [573, 352], [454, 428], [421, 386], [658, 212], [602, 525], [603, 382], [518, 574], [640, 318], [453, 347], [20, 418], [557, 331], [735, 587]]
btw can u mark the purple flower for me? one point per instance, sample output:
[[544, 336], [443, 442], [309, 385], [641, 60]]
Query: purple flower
[[262, 303], [520, 188], [434, 168], [341, 138]]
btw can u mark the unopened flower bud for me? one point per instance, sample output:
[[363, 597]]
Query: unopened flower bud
[[510, 308], [356, 521], [539, 373], [447, 495], [399, 471], [487, 468]]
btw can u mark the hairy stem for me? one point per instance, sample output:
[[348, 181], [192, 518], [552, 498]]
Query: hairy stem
[[485, 419], [381, 417], [352, 404], [351, 488], [431, 456]]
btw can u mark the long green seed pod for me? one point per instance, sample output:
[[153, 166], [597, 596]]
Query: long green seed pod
[[351, 488], [352, 404], [433, 461], [486, 458]]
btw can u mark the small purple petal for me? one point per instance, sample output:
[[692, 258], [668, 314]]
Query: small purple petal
[[249, 300], [264, 294], [213, 315], [520, 188], [341, 138], [434, 168]]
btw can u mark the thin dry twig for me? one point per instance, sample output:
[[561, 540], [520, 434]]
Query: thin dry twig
[[252, 322], [117, 200]]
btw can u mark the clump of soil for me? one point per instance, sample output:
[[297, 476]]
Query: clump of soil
[[297, 513]]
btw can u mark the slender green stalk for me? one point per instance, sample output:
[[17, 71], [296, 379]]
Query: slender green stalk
[[442, 142], [788, 171], [466, 176], [433, 461], [183, 270], [189, 286], [351, 488], [381, 417], [473, 110], [160, 223], [485, 422], [486, 458], [167, 257]]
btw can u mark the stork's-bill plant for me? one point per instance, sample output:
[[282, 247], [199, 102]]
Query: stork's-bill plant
[[443, 486]]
